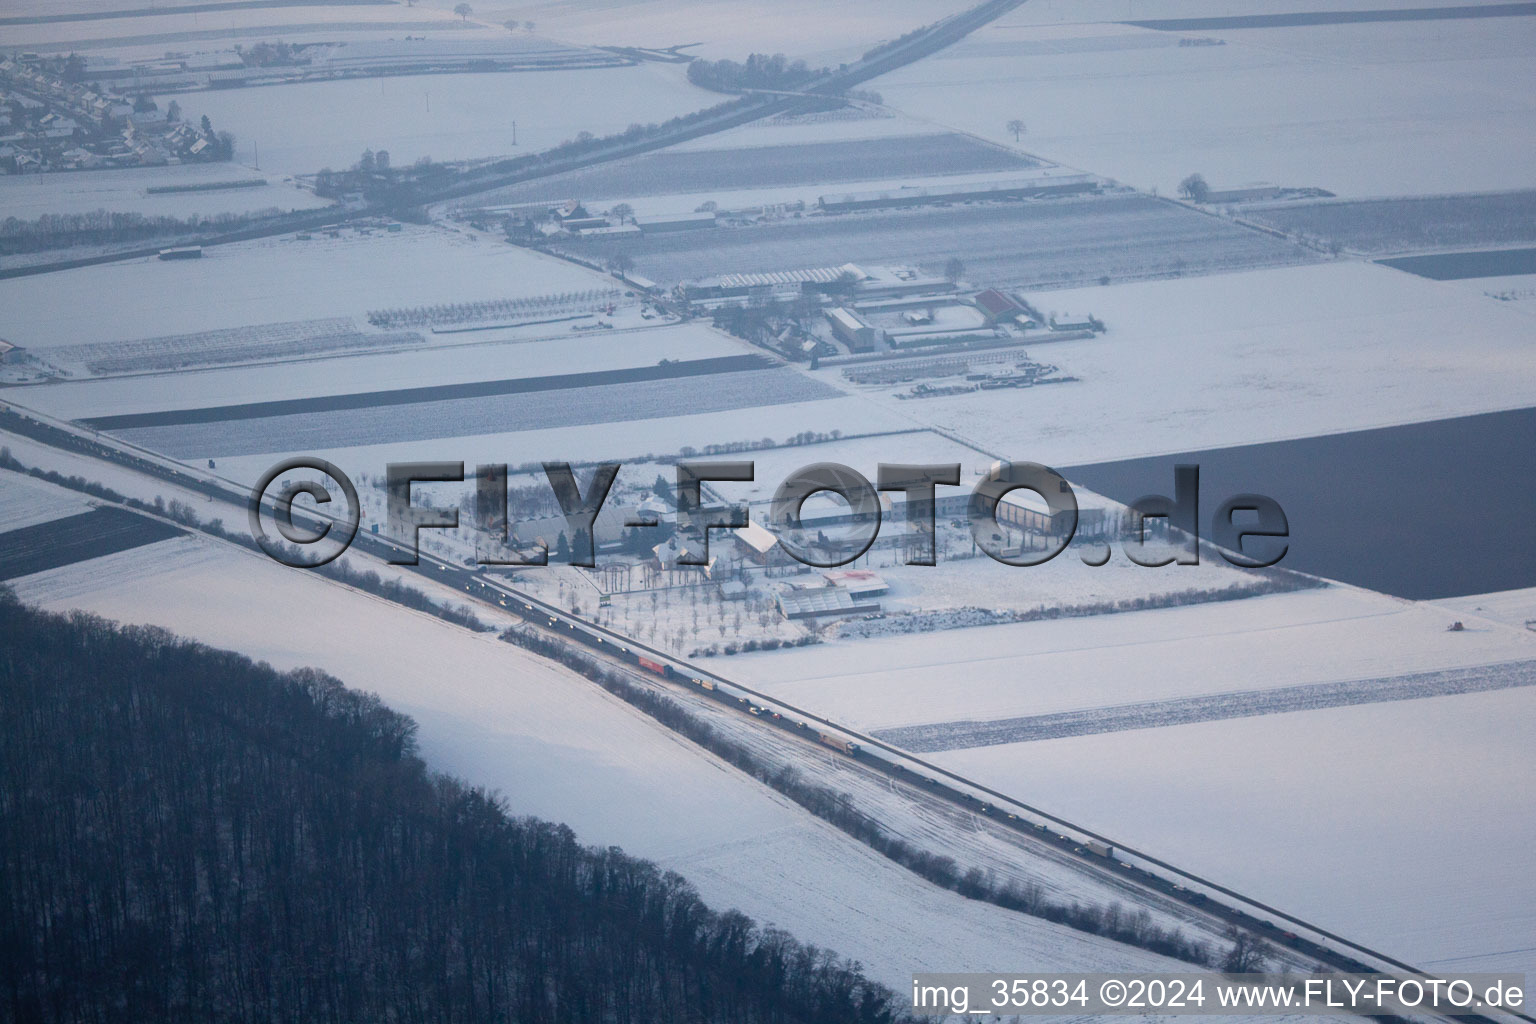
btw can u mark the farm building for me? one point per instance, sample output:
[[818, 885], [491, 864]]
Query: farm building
[[859, 583], [996, 306], [583, 223], [1247, 194], [853, 330], [1068, 322], [675, 222], [786, 281], [755, 543], [814, 602], [10, 353]]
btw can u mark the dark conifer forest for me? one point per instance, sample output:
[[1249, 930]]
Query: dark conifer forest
[[192, 836]]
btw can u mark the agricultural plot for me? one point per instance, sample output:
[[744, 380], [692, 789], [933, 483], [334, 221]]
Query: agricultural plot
[[1362, 110], [283, 278], [380, 424], [26, 502], [301, 128], [477, 357], [1379, 226], [678, 429], [1004, 672], [29, 196], [1211, 708], [1017, 244], [1403, 825], [77, 538], [228, 345], [709, 170], [1373, 470], [1331, 813], [144, 31], [1464, 266], [737, 27]]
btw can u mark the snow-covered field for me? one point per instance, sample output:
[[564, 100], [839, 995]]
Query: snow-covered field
[[1514, 607], [1047, 244], [1258, 356], [27, 502], [1311, 636], [556, 746], [304, 127], [277, 279], [1361, 110], [607, 405], [804, 29], [1349, 816], [436, 365], [1406, 826], [597, 442], [29, 196], [148, 36]]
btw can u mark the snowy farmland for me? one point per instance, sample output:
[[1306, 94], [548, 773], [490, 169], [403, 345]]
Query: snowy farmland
[[1382, 226], [126, 190], [1054, 243], [1036, 668], [1403, 825], [736, 27], [718, 170], [1361, 110], [467, 416], [302, 128], [489, 357], [273, 279], [1369, 786]]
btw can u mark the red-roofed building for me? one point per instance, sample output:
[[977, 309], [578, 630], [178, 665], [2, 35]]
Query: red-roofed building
[[997, 306]]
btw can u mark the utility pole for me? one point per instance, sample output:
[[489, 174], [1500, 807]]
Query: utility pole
[[514, 133]]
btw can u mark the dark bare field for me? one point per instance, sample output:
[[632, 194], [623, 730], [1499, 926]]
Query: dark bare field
[[1460, 266], [669, 173], [102, 531], [1421, 511], [1008, 244], [500, 412], [1382, 226]]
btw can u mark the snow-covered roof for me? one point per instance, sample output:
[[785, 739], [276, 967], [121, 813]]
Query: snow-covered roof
[[754, 536]]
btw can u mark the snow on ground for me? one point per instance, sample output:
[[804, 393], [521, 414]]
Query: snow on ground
[[597, 442], [1405, 826], [29, 196], [301, 128], [1361, 110], [1512, 607], [556, 746], [150, 35], [1311, 636], [471, 359], [279, 278], [1242, 358], [802, 29], [848, 124], [27, 502]]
